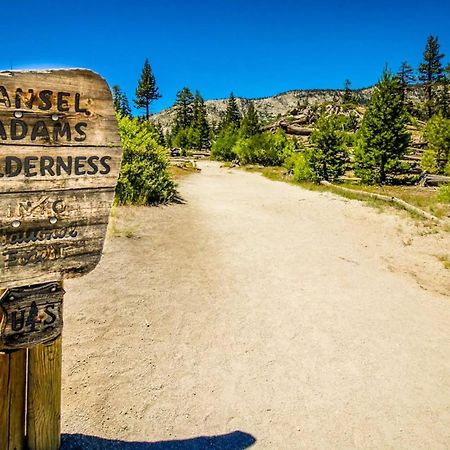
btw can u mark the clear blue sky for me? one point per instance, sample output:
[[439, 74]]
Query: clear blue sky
[[254, 48]]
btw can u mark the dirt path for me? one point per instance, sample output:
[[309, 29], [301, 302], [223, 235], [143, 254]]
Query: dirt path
[[259, 312]]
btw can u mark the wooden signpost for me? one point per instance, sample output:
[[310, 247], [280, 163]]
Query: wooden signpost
[[60, 156]]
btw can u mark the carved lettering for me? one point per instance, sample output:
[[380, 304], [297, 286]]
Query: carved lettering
[[30, 315]]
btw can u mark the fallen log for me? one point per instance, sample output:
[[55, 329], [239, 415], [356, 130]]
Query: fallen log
[[386, 198], [298, 131], [434, 180]]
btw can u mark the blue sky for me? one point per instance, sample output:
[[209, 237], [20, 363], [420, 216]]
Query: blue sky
[[253, 48]]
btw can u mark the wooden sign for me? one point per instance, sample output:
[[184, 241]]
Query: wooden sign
[[60, 156], [31, 315]]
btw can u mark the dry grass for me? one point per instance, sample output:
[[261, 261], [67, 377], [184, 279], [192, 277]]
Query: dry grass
[[180, 170], [445, 260]]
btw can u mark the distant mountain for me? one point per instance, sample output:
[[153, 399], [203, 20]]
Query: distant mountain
[[269, 108]]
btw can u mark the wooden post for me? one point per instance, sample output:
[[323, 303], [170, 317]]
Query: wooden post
[[44, 396], [12, 399]]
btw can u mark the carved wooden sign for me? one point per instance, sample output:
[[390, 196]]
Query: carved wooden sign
[[31, 315], [60, 156]]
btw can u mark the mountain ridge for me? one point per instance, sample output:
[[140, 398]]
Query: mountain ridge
[[269, 108]]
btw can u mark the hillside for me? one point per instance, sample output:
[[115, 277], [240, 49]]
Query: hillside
[[269, 108]]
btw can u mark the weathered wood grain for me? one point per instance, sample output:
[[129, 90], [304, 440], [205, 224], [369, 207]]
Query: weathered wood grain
[[44, 396], [56, 190], [47, 176], [94, 97], [31, 315], [12, 400]]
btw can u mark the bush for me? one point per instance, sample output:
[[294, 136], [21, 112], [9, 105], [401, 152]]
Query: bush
[[144, 178], [300, 166], [429, 161], [265, 149], [444, 193], [223, 148], [437, 155]]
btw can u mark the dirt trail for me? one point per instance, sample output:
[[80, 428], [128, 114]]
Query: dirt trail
[[259, 312]]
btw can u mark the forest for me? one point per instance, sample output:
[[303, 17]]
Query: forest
[[399, 136]]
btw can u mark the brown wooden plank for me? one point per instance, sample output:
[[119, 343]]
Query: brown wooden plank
[[12, 400], [91, 91], [49, 168], [56, 190], [42, 262], [53, 209], [44, 396]]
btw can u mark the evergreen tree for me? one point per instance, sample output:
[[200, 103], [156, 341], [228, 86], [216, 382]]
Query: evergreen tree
[[436, 158], [183, 109], [406, 77], [329, 158], [147, 91], [120, 101], [250, 125], [444, 94], [430, 72], [383, 138], [348, 97], [161, 139], [200, 125], [232, 114]]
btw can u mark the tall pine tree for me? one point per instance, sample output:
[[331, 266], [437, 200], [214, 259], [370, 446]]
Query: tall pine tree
[[348, 98], [184, 108], [383, 138], [430, 72], [200, 125], [120, 101], [443, 99], [406, 77], [250, 125], [232, 114], [146, 91]]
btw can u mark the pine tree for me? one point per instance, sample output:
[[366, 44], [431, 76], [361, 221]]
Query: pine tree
[[348, 97], [147, 91], [200, 125], [406, 77], [444, 94], [120, 101], [383, 138], [436, 158], [250, 125], [184, 108], [329, 158], [232, 114], [430, 72]]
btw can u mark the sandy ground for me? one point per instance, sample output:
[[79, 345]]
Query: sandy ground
[[259, 314]]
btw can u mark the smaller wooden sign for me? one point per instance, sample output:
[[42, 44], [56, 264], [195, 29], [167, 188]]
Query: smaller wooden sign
[[31, 315]]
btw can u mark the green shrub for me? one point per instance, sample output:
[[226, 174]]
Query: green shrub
[[223, 148], [437, 155], [444, 193], [144, 178], [265, 149], [301, 166], [429, 161]]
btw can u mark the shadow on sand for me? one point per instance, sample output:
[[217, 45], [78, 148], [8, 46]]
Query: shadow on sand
[[237, 440]]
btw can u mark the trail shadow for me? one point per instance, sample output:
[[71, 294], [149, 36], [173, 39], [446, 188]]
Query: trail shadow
[[237, 440]]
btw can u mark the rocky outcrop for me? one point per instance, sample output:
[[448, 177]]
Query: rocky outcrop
[[293, 103]]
